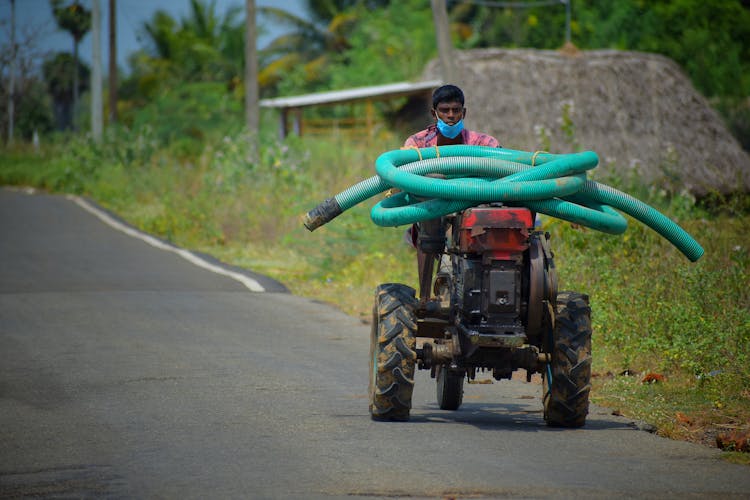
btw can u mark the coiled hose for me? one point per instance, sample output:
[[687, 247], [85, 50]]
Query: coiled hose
[[552, 184]]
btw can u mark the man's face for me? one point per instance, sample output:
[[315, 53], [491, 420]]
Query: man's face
[[449, 112]]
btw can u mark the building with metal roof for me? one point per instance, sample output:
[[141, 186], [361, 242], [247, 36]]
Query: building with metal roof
[[294, 104]]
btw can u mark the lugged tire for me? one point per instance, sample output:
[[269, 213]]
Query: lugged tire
[[566, 399], [392, 352], [450, 388]]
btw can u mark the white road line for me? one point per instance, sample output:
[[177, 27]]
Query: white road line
[[250, 283]]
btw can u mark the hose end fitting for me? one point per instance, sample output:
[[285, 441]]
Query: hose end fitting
[[322, 214]]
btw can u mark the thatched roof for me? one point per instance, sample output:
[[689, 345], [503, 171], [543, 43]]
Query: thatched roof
[[636, 110]]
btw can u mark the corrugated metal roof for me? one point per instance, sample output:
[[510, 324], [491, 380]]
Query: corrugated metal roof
[[356, 94]]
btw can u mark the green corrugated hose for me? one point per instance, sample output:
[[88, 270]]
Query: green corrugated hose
[[551, 184]]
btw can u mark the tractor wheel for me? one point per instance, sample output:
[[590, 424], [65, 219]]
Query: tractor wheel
[[450, 388], [392, 352], [566, 398]]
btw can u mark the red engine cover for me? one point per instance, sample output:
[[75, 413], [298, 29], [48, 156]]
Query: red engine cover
[[504, 231]]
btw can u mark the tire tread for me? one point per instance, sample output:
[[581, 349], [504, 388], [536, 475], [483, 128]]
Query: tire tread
[[392, 352], [566, 400]]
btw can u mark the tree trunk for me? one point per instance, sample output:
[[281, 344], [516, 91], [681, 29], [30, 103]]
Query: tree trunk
[[112, 61], [75, 81], [251, 71]]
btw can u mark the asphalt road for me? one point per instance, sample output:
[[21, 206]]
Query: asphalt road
[[128, 372]]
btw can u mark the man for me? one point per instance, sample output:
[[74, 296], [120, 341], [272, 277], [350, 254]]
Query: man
[[449, 113]]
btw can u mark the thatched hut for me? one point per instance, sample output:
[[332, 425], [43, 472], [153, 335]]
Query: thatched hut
[[638, 111]]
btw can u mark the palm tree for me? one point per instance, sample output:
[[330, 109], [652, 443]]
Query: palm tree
[[76, 20], [311, 43], [160, 32], [202, 46], [58, 70]]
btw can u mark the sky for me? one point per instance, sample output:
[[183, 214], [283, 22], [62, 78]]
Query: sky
[[35, 16]]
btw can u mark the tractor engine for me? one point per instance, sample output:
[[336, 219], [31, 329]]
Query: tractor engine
[[503, 278]]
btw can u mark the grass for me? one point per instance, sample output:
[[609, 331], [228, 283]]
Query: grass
[[655, 314]]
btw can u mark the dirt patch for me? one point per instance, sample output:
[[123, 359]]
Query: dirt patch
[[703, 428]]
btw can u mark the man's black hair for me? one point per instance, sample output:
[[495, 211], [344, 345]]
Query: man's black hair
[[447, 93]]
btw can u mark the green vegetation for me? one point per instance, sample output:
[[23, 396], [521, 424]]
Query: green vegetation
[[671, 336], [687, 324]]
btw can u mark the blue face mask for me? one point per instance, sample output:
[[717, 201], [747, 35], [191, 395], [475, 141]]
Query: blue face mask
[[450, 131]]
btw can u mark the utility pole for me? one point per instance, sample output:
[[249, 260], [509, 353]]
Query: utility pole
[[96, 72], [112, 61], [444, 43], [11, 89], [251, 71]]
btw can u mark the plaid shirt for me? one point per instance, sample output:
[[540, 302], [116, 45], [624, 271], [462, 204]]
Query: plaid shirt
[[427, 138]]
